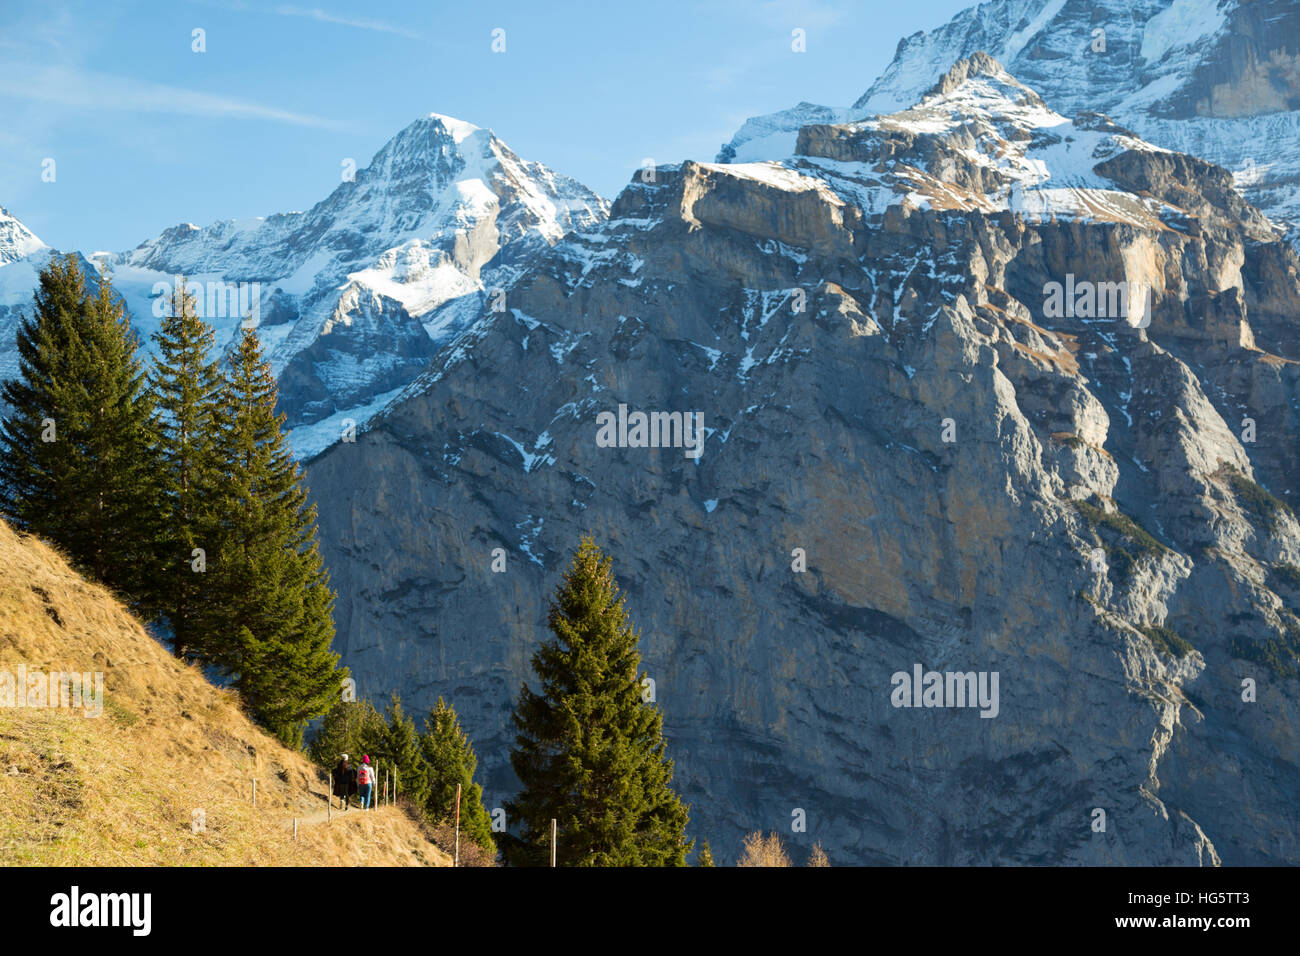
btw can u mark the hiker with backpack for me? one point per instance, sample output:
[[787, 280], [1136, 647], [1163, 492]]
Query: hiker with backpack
[[365, 781], [345, 780]]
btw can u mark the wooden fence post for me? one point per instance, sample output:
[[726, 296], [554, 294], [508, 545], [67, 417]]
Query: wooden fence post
[[552, 841], [456, 859]]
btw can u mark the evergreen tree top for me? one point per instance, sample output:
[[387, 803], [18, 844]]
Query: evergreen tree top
[[590, 750]]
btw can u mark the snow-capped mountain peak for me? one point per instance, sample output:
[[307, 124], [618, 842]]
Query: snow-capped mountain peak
[[353, 295], [1218, 79], [458, 128], [16, 240], [985, 75], [980, 140], [435, 176]]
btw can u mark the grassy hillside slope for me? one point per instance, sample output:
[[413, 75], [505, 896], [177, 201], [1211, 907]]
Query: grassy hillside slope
[[168, 751]]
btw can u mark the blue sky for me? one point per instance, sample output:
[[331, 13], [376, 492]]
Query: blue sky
[[146, 133]]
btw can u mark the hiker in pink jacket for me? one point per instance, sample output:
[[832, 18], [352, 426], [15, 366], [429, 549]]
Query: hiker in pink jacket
[[365, 781]]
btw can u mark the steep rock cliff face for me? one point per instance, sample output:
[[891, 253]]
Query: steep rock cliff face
[[917, 378]]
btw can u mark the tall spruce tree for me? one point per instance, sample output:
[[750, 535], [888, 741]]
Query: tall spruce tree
[[590, 751], [451, 760], [186, 382], [76, 450], [402, 753], [36, 468], [268, 594]]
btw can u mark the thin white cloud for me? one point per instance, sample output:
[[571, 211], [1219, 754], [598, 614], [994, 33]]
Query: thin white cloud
[[324, 16], [103, 91]]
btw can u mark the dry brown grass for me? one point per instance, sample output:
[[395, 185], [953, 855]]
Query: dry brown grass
[[1268, 358], [1061, 359], [123, 788], [471, 854]]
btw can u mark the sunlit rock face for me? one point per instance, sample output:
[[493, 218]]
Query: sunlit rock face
[[985, 390]]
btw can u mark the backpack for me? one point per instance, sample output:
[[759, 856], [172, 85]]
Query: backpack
[[363, 774]]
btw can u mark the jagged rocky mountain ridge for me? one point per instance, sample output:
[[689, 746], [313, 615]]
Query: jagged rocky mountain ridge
[[921, 245], [1214, 78], [356, 293]]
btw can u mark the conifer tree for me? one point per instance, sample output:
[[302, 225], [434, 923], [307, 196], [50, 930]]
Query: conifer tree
[[35, 467], [451, 760], [351, 727], [186, 382], [590, 751], [705, 856], [76, 450], [760, 850], [268, 592], [401, 752]]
